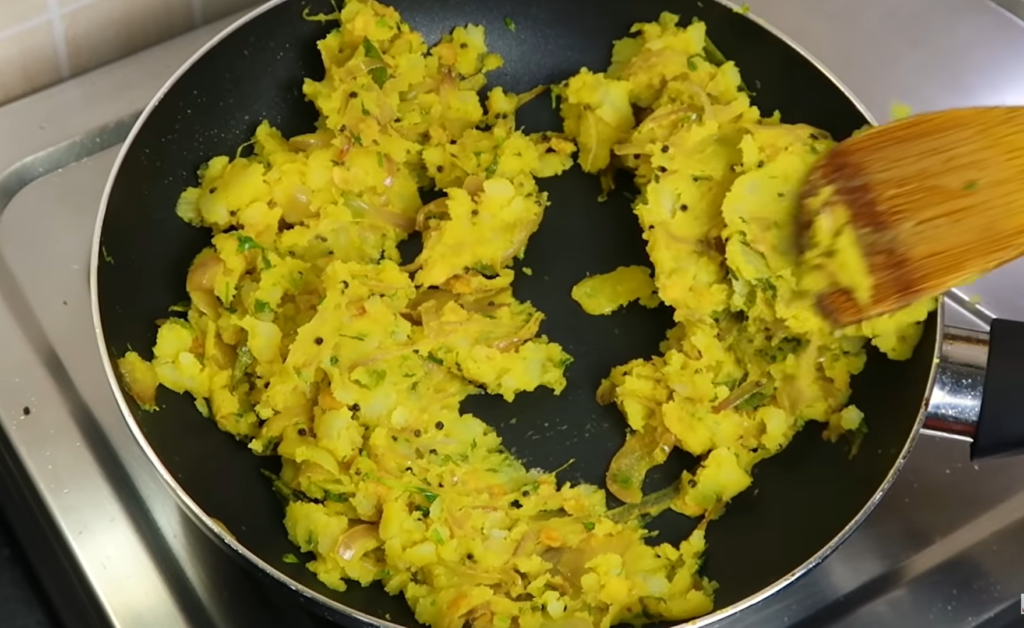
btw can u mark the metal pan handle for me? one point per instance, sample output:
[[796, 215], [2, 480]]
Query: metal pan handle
[[979, 387]]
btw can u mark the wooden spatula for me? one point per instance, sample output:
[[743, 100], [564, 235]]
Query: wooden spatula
[[932, 200]]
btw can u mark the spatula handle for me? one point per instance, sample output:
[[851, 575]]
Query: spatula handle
[[1000, 429], [979, 389]]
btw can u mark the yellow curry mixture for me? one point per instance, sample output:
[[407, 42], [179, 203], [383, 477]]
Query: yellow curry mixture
[[307, 339]]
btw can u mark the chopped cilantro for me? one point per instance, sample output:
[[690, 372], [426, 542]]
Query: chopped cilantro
[[184, 306], [265, 262], [334, 360], [755, 400], [106, 256], [510, 25], [589, 526], [291, 559], [691, 64], [331, 496], [262, 307], [383, 23], [427, 494], [246, 243], [554, 99], [380, 159], [433, 358], [376, 378], [435, 535], [378, 74], [358, 140]]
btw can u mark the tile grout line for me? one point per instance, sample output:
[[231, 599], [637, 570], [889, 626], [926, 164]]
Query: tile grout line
[[71, 6], [24, 26], [58, 38]]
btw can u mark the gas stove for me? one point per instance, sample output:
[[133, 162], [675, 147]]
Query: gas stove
[[944, 547]]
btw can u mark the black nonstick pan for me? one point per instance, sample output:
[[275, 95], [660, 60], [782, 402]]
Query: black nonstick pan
[[807, 499]]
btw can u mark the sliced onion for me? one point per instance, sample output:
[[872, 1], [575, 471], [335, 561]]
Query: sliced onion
[[295, 206], [391, 167], [448, 80], [434, 209], [739, 395], [357, 541], [519, 243], [344, 150], [361, 67], [526, 97], [381, 215], [526, 333], [311, 141], [202, 280], [651, 505], [642, 451], [474, 184]]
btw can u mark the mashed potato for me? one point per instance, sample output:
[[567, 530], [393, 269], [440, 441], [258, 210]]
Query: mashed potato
[[750, 360], [603, 294], [307, 339]]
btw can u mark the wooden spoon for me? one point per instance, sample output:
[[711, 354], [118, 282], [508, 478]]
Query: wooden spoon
[[910, 209]]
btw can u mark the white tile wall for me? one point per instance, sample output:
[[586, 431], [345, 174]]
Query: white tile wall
[[46, 41]]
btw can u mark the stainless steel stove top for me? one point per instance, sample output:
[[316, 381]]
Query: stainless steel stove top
[[944, 548]]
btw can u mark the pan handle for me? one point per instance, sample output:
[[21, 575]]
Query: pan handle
[[978, 389]]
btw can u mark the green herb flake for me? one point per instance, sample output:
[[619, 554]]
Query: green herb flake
[[246, 244], [265, 262], [691, 63], [357, 139], [378, 74], [589, 526], [331, 496], [433, 358], [376, 377], [435, 536], [383, 23], [554, 98], [755, 400], [291, 559], [427, 494], [262, 307], [106, 256], [184, 306], [371, 51], [510, 25], [970, 186], [334, 360]]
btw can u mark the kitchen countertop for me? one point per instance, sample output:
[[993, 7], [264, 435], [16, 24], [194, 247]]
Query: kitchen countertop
[[22, 599]]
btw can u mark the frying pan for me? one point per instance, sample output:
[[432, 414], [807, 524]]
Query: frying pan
[[807, 499]]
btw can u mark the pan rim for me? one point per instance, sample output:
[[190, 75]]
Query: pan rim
[[216, 532]]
